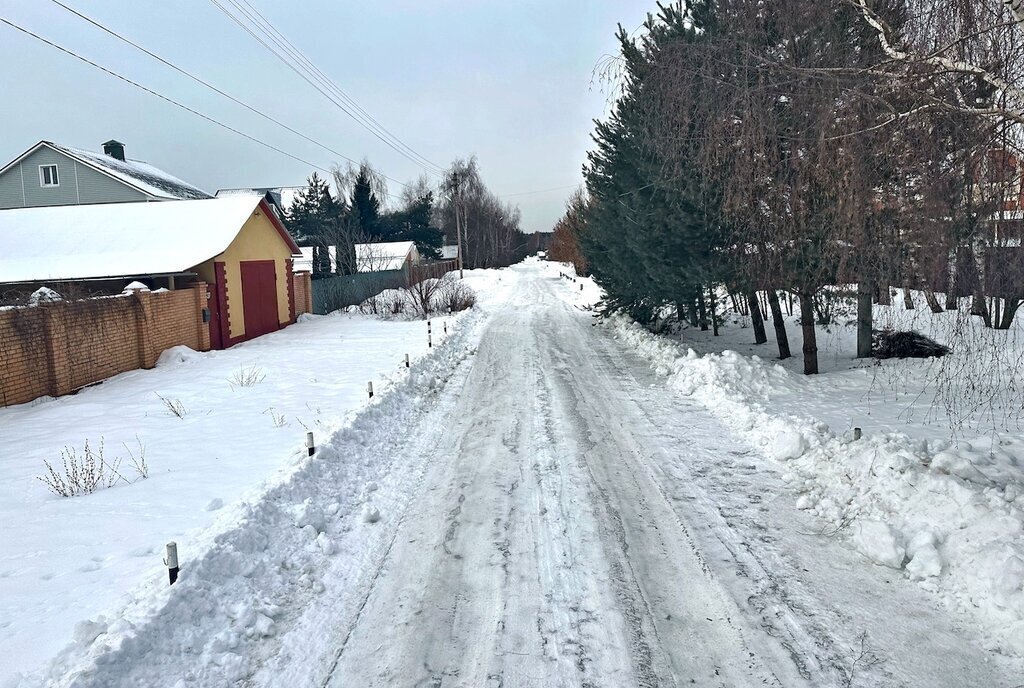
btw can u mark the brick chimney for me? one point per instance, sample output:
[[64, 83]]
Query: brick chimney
[[114, 149]]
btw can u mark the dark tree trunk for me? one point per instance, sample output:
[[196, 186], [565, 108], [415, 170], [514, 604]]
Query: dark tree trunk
[[979, 307], [884, 297], [780, 325], [908, 300], [760, 336], [933, 301], [810, 339], [702, 311], [1009, 311], [864, 319], [713, 302]]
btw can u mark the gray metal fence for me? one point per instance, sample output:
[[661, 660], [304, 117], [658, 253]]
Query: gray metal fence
[[341, 291], [332, 293]]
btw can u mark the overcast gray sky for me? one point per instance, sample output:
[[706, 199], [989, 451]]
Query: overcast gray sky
[[511, 82]]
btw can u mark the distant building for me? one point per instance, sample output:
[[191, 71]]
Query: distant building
[[48, 174], [387, 256]]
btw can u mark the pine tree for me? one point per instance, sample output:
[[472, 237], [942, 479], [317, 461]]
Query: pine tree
[[365, 207], [312, 219]]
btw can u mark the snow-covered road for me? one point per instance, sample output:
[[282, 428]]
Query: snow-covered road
[[555, 517]]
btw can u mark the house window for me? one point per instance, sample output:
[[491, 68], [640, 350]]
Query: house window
[[48, 175]]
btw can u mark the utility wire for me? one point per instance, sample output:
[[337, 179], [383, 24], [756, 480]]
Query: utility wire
[[159, 95], [324, 79], [209, 85], [326, 88]]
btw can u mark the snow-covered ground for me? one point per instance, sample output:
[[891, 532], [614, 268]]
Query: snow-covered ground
[[530, 505], [934, 490], [65, 560]]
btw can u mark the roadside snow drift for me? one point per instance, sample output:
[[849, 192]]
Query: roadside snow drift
[[223, 434], [950, 517]]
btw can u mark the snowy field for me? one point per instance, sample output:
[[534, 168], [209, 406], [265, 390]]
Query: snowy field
[[934, 490], [69, 560]]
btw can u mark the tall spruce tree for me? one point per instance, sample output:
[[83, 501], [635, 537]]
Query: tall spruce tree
[[365, 206], [652, 236], [312, 219]]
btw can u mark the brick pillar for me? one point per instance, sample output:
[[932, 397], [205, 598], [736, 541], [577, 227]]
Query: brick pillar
[[56, 339], [307, 285], [143, 322], [289, 274], [200, 290]]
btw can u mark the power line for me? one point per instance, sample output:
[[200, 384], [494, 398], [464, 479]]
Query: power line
[[210, 86], [324, 79], [159, 95], [294, 60]]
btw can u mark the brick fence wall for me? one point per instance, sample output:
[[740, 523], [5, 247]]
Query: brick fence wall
[[57, 348], [303, 289]]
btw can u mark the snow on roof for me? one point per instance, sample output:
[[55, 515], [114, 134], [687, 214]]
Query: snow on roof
[[305, 263], [284, 195], [117, 239], [288, 195], [136, 173], [383, 256]]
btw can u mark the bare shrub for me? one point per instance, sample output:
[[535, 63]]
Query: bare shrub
[[247, 377], [277, 418], [454, 295], [138, 462], [85, 473], [388, 302], [81, 474], [174, 406], [421, 295]]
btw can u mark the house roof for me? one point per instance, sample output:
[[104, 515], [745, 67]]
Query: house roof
[[121, 239], [283, 195], [139, 175], [383, 256]]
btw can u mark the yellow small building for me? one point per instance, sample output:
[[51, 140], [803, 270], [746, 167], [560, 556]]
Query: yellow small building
[[236, 244]]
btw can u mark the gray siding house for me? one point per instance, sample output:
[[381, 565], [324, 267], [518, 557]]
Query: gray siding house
[[48, 174]]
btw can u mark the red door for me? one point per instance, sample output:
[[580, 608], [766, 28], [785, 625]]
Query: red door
[[259, 297]]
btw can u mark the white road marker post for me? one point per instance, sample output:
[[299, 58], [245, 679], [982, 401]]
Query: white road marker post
[[171, 561], [407, 360], [430, 337], [310, 446], [369, 389]]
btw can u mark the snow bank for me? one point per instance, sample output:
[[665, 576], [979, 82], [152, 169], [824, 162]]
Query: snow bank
[[949, 517], [65, 560], [256, 577]]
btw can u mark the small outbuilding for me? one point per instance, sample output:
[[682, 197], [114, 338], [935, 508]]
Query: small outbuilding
[[236, 245]]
